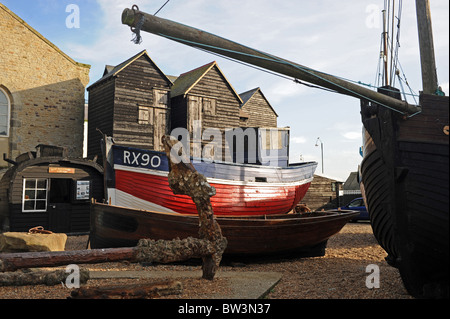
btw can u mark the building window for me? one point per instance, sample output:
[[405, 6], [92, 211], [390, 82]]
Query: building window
[[272, 139], [4, 114], [209, 106], [34, 195], [161, 98], [145, 115]]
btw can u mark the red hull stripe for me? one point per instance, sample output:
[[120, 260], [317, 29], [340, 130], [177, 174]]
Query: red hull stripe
[[229, 199]]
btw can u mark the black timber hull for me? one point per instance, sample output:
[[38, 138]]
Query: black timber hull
[[405, 182]]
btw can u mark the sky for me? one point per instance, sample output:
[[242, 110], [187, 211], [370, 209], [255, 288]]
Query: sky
[[341, 38]]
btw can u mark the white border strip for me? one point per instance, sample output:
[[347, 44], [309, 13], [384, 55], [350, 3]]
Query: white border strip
[[124, 199], [213, 180]]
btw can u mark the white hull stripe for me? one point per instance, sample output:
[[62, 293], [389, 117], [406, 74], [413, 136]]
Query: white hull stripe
[[127, 200], [214, 180]]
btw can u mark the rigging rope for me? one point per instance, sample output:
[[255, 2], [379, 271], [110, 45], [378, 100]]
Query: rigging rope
[[395, 62], [161, 7], [267, 71], [278, 60], [138, 39]]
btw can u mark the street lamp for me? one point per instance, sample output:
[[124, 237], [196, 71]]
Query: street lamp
[[321, 147]]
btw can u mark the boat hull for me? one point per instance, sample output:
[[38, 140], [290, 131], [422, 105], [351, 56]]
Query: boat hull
[[113, 226], [405, 180], [240, 189]]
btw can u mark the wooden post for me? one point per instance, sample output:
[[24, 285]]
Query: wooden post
[[14, 261], [426, 45], [49, 278], [133, 291], [147, 250], [212, 43]]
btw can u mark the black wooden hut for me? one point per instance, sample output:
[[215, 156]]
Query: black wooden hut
[[205, 96], [46, 188], [131, 104]]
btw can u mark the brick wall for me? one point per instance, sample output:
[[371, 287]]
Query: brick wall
[[46, 89]]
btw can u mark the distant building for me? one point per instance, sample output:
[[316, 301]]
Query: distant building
[[323, 193], [41, 92], [351, 188]]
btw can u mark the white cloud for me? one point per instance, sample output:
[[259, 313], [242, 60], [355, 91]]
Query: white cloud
[[298, 139], [352, 135], [445, 88]]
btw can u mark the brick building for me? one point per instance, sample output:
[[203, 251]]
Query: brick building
[[41, 92]]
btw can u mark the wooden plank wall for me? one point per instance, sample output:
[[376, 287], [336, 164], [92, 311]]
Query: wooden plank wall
[[100, 115], [429, 125], [212, 86], [259, 111], [320, 195], [134, 86]]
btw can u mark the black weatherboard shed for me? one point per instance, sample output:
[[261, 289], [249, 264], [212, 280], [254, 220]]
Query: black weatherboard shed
[[46, 188], [131, 104]]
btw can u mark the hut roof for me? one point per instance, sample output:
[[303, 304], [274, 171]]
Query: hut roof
[[352, 182], [111, 71], [246, 97], [186, 81]]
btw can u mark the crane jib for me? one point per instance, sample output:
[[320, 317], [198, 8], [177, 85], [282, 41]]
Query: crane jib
[[215, 44]]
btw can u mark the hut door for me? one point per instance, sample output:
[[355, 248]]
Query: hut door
[[195, 124], [59, 204], [160, 128]]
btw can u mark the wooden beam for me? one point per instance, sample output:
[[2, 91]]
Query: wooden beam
[[207, 41], [147, 250], [133, 291], [426, 46]]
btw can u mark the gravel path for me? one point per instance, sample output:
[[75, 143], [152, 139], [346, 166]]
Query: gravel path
[[340, 274]]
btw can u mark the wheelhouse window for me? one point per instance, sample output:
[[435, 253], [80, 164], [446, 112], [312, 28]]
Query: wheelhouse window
[[35, 192], [4, 114], [272, 139]]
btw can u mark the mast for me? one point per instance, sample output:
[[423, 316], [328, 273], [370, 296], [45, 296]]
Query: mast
[[385, 50], [138, 20], [426, 45]]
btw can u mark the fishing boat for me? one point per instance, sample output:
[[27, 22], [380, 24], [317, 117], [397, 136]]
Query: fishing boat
[[303, 234], [404, 171], [137, 178]]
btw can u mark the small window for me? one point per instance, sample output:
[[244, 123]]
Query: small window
[[4, 114], [145, 115], [161, 98], [209, 106], [272, 139], [34, 197]]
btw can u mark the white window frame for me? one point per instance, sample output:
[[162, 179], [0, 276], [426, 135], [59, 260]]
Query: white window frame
[[8, 115], [35, 199], [145, 115]]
